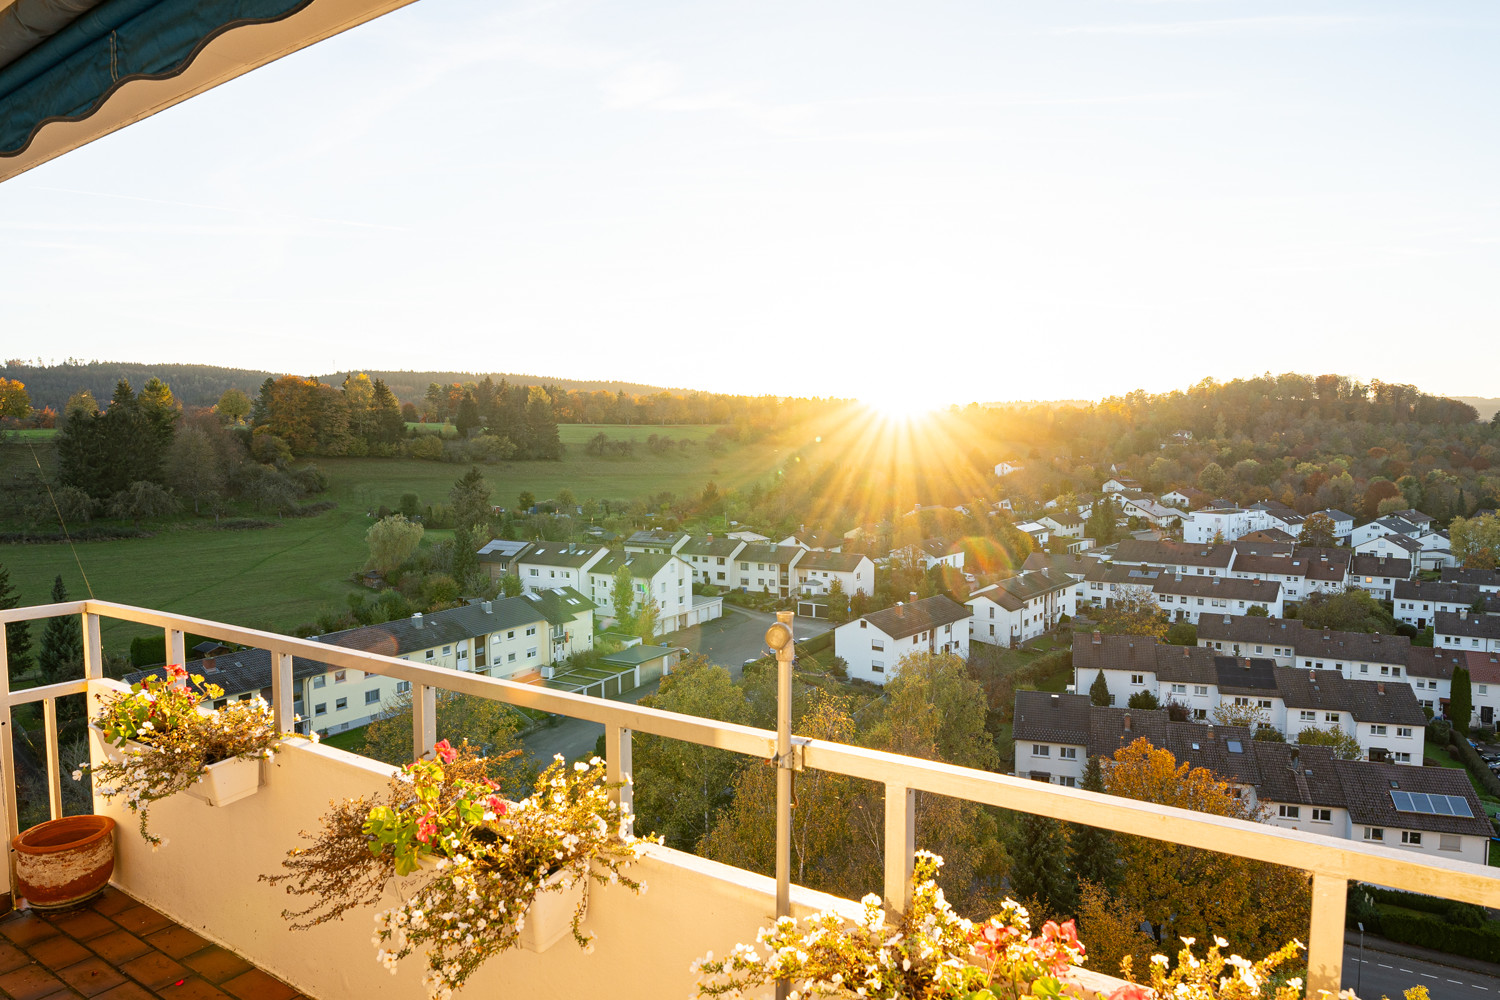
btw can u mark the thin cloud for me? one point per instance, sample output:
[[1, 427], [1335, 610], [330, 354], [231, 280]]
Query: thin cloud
[[1218, 26]]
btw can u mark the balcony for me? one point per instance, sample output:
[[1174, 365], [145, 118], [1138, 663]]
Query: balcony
[[205, 878]]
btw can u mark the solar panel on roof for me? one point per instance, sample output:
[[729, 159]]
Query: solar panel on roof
[[1432, 804]]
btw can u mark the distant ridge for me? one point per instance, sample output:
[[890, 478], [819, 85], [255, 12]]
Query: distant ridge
[[1487, 407], [202, 385]]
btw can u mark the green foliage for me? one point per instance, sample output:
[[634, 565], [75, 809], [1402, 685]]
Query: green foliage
[[1186, 633], [1440, 934], [1347, 611], [17, 634], [1257, 611], [1461, 702], [1144, 699], [470, 499], [1038, 849], [622, 594], [1103, 522], [1099, 691], [1344, 745], [391, 540], [1092, 851], [61, 652]]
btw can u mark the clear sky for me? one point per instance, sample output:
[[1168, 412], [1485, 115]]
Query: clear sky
[[955, 201]]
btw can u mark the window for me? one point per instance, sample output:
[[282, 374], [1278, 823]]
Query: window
[[878, 666], [863, 623], [1198, 713], [447, 650], [1332, 717], [1322, 815], [463, 654], [511, 634], [1067, 781], [531, 631], [1449, 842], [1307, 716], [511, 658], [1289, 812], [1137, 678], [341, 704], [878, 645], [1041, 750], [403, 686], [372, 697], [1413, 837], [536, 572], [1200, 689], [530, 652], [1377, 730], [321, 708], [339, 676], [427, 655], [1179, 689], [1067, 753], [320, 681], [1374, 833], [1400, 757]]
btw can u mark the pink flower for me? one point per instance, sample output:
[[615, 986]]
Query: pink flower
[[1130, 991], [426, 828], [989, 940], [445, 752], [495, 804]]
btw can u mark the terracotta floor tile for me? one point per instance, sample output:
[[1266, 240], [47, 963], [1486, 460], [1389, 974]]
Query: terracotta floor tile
[[11, 957], [193, 988], [111, 901], [154, 969], [177, 941], [126, 991], [29, 982], [118, 946], [64, 995], [83, 924], [25, 928], [257, 985], [92, 976], [58, 952], [216, 965], [141, 920]]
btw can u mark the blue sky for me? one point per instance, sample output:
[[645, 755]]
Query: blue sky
[[949, 201]]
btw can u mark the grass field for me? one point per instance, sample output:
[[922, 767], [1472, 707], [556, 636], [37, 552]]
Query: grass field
[[29, 434], [280, 577]]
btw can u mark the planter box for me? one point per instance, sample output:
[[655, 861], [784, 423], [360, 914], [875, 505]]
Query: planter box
[[550, 918], [228, 781], [112, 753]]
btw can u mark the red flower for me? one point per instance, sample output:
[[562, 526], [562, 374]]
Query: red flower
[[1130, 991], [426, 828], [989, 940], [445, 752], [496, 805]]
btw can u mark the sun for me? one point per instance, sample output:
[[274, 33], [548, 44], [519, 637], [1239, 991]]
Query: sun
[[903, 405]]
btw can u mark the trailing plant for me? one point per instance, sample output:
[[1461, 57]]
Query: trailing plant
[[490, 858], [166, 740]]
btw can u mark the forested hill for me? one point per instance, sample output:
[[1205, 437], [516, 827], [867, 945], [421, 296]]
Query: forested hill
[[1487, 407], [202, 385]]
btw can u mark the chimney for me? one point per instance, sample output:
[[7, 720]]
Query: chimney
[[900, 610], [1463, 613], [1057, 701], [1185, 654], [1127, 723], [911, 595], [1247, 663], [210, 664], [1098, 637], [489, 608], [1380, 687], [416, 619]]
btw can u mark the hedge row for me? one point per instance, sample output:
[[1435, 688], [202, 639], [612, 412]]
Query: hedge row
[[1433, 932], [1476, 765], [1455, 912]]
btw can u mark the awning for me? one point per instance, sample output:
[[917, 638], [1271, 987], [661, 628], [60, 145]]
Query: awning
[[74, 70]]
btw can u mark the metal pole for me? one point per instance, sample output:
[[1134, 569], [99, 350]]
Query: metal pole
[[779, 638], [1359, 973]]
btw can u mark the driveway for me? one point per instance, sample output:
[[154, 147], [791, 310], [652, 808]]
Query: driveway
[[727, 641]]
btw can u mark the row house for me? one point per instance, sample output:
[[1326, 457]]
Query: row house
[[1417, 602], [1180, 558], [1022, 607], [1064, 523], [1431, 673], [1184, 598], [1378, 574], [654, 576], [767, 569], [929, 553], [1300, 571], [874, 645], [1278, 515], [1432, 810], [817, 571], [1384, 716], [1467, 630], [1360, 655], [712, 558], [1487, 580], [657, 540], [545, 565], [1105, 584]]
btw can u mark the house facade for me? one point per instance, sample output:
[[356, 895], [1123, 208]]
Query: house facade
[[874, 644], [1020, 608]]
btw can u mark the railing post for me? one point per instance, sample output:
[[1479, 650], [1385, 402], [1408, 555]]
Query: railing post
[[54, 767], [93, 650], [900, 845], [176, 647], [618, 770], [423, 720], [283, 697], [1325, 939], [7, 765]]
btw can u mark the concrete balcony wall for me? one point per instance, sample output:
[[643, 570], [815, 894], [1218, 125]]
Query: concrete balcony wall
[[206, 878]]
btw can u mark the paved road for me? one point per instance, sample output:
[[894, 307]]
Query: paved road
[[1384, 974], [728, 641]]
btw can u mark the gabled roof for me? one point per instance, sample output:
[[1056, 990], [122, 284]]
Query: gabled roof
[[1370, 564], [1267, 535], [1373, 647], [245, 672], [560, 605], [1245, 628], [643, 565], [656, 537], [1245, 675], [832, 562], [1062, 518], [1399, 541], [918, 616], [1438, 591], [710, 545], [764, 552], [1226, 588], [1023, 587], [1467, 625], [1367, 795], [1225, 750], [423, 631], [1335, 515], [1111, 729], [1052, 718], [1476, 577], [1368, 701], [502, 550], [1292, 773], [568, 554], [1425, 661], [1163, 553], [1069, 565]]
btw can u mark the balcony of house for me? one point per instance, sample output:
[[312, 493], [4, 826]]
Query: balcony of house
[[205, 878]]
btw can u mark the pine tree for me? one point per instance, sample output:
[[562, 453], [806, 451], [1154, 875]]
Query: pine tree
[[1038, 848], [17, 634], [1461, 703], [388, 425], [1099, 691], [62, 641], [1092, 849]]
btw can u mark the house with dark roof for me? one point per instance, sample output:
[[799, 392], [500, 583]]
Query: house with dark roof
[[1021, 607], [664, 579], [818, 570], [1301, 571], [1417, 602], [656, 540], [1385, 718], [1377, 573], [711, 558], [1066, 523], [930, 552], [544, 565], [1184, 598], [873, 645], [1466, 630], [1175, 557], [1431, 810], [498, 557], [764, 568], [1487, 580], [1343, 524]]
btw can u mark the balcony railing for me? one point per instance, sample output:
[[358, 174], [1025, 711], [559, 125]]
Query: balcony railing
[[217, 854]]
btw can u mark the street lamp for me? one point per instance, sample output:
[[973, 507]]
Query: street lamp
[[1359, 973]]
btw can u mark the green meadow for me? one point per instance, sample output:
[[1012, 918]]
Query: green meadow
[[280, 577]]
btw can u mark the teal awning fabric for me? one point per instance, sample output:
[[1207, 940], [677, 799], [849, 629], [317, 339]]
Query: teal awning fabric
[[70, 74]]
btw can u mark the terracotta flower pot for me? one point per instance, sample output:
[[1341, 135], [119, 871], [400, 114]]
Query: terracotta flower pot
[[63, 862]]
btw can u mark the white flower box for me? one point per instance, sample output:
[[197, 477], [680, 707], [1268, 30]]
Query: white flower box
[[227, 781], [112, 753], [550, 918]]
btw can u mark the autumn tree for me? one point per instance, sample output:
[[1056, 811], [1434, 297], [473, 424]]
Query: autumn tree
[[1228, 713], [1344, 745], [1319, 530], [1476, 540], [391, 541], [15, 401], [646, 620], [1187, 891], [1351, 610], [1212, 478], [1103, 524], [1133, 611], [233, 406]]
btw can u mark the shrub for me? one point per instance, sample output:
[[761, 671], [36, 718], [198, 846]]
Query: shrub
[[428, 447], [1475, 764], [1434, 931]]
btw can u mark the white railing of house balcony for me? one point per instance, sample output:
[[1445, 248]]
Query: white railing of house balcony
[[1331, 862]]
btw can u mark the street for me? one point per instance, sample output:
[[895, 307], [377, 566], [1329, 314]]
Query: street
[[1384, 974], [728, 641]]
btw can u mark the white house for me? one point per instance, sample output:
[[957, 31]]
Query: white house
[[1487, 580], [817, 572], [656, 540], [1003, 469], [766, 569], [931, 552], [1038, 531], [655, 576], [1184, 598], [546, 565], [1467, 631], [1021, 607], [1144, 507], [1377, 574], [1120, 484], [1417, 602], [712, 558], [1185, 497], [874, 644], [1343, 524], [1210, 524], [1063, 522]]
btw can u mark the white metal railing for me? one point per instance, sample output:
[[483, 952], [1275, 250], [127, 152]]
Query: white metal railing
[[1331, 862]]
